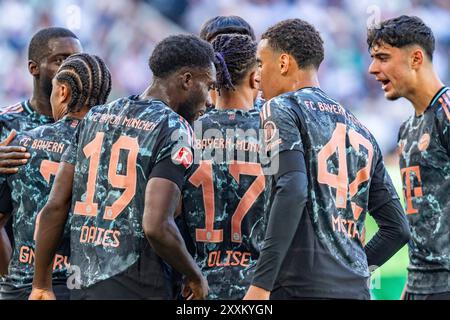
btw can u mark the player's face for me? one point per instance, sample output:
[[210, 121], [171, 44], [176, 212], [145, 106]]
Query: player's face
[[257, 80], [59, 50], [269, 71], [391, 67], [57, 100], [195, 104]]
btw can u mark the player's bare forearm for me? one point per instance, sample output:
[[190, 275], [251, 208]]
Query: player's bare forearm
[[51, 228], [5, 249], [170, 246], [162, 199], [53, 218]]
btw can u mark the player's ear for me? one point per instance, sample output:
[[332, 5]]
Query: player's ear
[[285, 63], [417, 58], [186, 80], [61, 92], [33, 68], [254, 79], [65, 93], [212, 97]]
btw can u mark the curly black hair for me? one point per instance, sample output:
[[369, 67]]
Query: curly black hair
[[38, 47], [236, 56], [401, 32], [299, 39], [176, 52], [223, 25], [89, 80]]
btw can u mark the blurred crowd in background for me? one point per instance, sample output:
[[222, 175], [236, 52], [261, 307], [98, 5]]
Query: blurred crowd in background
[[124, 32]]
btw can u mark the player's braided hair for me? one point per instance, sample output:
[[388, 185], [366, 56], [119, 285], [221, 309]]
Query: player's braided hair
[[225, 25], [89, 80], [236, 56]]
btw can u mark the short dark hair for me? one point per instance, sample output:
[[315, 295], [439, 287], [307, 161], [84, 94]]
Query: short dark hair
[[38, 47], [401, 32], [236, 55], [225, 24], [89, 79], [176, 52], [299, 39]]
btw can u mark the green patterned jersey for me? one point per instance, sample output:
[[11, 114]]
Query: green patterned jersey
[[424, 143], [224, 198], [346, 179], [20, 117], [29, 189], [116, 147]]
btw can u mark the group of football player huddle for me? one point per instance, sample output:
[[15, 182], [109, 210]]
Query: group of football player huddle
[[232, 176]]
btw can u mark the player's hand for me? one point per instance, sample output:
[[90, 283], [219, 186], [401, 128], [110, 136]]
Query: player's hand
[[42, 294], [12, 157], [195, 289], [255, 293]]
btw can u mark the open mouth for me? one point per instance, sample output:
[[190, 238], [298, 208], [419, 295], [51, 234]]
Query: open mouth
[[384, 84]]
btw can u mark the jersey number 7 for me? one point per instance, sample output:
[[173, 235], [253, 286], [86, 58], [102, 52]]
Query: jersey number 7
[[203, 177]]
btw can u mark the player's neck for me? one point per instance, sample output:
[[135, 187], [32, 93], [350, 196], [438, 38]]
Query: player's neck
[[238, 99], [40, 102], [159, 91], [79, 114], [428, 85], [302, 79]]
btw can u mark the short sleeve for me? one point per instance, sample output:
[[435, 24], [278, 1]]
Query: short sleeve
[[280, 133], [280, 126], [175, 141], [70, 155]]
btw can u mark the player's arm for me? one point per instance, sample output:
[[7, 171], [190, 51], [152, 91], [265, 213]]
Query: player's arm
[[285, 215], [386, 209], [11, 157], [5, 212], [51, 227], [5, 245], [5, 251], [162, 198], [290, 195]]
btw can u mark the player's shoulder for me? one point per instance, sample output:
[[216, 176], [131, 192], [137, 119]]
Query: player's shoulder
[[442, 107], [174, 121], [259, 103], [118, 104], [171, 123], [115, 106], [282, 108], [231, 114], [60, 131], [294, 99], [150, 109], [404, 127], [13, 111], [287, 99]]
